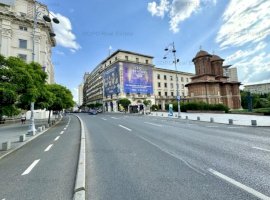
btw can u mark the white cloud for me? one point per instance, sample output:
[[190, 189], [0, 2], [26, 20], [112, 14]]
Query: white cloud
[[60, 52], [246, 25], [177, 10], [244, 22], [64, 36]]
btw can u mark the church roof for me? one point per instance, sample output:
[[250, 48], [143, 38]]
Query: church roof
[[201, 53], [216, 58]]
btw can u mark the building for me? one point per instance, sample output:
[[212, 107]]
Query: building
[[231, 73], [165, 85], [263, 88], [126, 74], [16, 33], [80, 94], [209, 83]]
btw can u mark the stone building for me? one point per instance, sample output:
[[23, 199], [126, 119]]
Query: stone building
[[16, 33], [262, 88], [209, 83]]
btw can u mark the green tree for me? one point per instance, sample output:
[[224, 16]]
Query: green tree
[[125, 103], [147, 102]]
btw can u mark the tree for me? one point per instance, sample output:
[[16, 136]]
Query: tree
[[125, 103], [147, 102]]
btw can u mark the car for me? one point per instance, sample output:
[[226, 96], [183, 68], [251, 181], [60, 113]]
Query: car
[[92, 112]]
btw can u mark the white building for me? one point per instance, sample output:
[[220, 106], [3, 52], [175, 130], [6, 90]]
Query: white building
[[263, 88], [16, 33], [231, 73], [80, 94]]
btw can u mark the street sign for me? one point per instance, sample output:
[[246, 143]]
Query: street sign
[[178, 98]]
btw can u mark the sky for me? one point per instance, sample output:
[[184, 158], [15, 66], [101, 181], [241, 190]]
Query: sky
[[236, 30]]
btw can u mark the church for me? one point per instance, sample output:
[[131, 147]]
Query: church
[[210, 85]]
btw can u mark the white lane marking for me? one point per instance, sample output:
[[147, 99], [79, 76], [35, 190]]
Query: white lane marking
[[29, 169], [234, 127], [65, 129], [153, 124], [56, 138], [262, 149], [240, 185], [124, 127], [212, 126], [114, 118], [104, 119], [62, 132], [48, 148]]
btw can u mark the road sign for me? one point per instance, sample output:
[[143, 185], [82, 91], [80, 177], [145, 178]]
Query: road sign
[[178, 98]]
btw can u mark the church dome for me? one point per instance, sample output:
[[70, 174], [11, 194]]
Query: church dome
[[201, 53], [216, 58]]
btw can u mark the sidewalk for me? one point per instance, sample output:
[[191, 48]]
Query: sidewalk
[[11, 132], [238, 119]]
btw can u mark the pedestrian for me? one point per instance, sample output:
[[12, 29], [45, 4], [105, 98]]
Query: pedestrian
[[23, 118]]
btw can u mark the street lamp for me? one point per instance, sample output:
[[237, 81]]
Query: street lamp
[[38, 11], [171, 49]]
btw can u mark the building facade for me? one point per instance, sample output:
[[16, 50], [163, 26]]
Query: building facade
[[131, 75], [263, 88], [210, 85], [80, 94], [16, 33], [231, 73]]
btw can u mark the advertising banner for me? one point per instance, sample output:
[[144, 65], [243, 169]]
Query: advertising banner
[[138, 78], [112, 81]]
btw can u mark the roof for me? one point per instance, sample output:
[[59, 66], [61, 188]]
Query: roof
[[173, 71], [201, 53], [216, 58]]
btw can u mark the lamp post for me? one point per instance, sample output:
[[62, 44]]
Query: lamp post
[[38, 11], [171, 49]]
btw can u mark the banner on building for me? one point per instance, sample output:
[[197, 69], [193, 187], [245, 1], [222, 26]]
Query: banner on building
[[138, 78], [112, 81]]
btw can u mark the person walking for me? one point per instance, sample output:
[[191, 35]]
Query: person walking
[[23, 118]]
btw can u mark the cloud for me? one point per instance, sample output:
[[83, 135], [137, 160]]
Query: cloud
[[60, 52], [64, 35], [244, 22], [246, 25], [177, 10]]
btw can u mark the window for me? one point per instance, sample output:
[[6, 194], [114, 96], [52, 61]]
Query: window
[[165, 77], [158, 76], [23, 44], [165, 85], [182, 79], [23, 28], [171, 78], [126, 57], [183, 94], [183, 86], [137, 60], [110, 62], [172, 94], [22, 56], [159, 93], [146, 61], [159, 84], [166, 94], [115, 58], [171, 85], [187, 79]]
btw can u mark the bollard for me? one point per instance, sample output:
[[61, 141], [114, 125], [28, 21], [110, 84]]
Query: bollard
[[22, 138], [32, 133], [198, 118], [186, 117], [40, 129], [253, 122], [211, 119], [43, 127], [230, 121], [6, 146]]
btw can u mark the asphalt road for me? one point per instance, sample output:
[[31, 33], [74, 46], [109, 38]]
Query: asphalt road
[[45, 168], [138, 157]]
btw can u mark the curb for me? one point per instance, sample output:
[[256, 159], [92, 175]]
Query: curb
[[79, 189], [26, 142]]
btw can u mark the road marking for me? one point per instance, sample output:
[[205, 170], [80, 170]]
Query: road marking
[[212, 126], [62, 132], [48, 148], [125, 127], [104, 119], [29, 169], [240, 185], [153, 124], [114, 118], [56, 138], [65, 129], [234, 127], [262, 149]]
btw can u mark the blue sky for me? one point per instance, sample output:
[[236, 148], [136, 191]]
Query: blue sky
[[237, 30]]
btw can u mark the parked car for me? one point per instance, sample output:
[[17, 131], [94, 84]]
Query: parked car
[[92, 112]]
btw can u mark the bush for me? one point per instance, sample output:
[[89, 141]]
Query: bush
[[202, 106], [154, 107]]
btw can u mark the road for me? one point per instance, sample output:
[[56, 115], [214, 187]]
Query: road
[[45, 168], [139, 157]]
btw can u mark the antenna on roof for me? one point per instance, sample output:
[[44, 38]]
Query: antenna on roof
[[110, 50]]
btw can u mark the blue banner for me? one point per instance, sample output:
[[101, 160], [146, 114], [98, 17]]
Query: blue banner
[[112, 81], [137, 78]]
